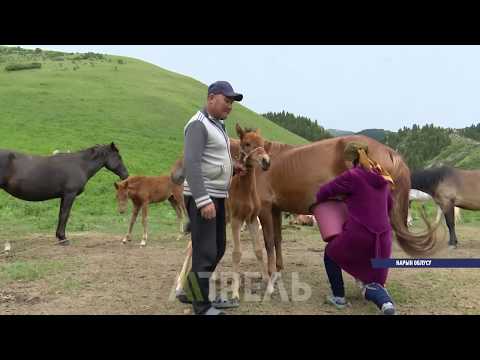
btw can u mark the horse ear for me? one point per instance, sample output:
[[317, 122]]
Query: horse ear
[[267, 146], [258, 132], [240, 132], [113, 147], [116, 185]]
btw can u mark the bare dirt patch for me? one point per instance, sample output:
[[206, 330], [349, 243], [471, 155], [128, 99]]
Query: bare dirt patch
[[97, 274]]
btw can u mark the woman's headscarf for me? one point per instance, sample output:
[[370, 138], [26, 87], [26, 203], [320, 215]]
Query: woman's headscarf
[[359, 151]]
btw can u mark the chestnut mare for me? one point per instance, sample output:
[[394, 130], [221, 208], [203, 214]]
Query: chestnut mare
[[145, 190], [296, 174]]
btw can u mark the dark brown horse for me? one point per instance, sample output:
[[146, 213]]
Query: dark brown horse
[[64, 176], [450, 187]]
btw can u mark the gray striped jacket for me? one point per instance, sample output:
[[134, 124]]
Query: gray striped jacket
[[207, 160]]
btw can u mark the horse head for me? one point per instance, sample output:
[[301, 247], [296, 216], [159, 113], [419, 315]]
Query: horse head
[[122, 195], [253, 148], [114, 162]]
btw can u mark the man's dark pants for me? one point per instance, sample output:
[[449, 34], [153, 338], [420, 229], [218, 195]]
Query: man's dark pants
[[208, 248]]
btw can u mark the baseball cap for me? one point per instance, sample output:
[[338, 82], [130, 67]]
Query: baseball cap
[[224, 88]]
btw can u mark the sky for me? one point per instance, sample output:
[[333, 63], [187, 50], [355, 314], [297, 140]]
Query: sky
[[347, 87]]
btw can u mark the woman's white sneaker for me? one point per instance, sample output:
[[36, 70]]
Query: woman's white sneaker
[[388, 308]]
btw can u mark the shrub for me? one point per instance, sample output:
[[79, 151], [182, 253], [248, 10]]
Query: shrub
[[88, 55], [15, 67]]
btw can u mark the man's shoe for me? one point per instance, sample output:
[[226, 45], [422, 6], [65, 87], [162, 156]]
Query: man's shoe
[[221, 303], [182, 297], [213, 311]]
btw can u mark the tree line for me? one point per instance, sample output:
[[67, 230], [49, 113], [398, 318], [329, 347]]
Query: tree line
[[300, 125], [418, 145]]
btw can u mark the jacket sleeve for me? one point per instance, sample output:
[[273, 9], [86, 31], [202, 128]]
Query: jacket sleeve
[[341, 185], [195, 140]]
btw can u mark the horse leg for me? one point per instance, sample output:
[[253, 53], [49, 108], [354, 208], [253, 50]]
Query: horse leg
[[277, 236], [236, 256], [187, 264], [144, 222], [450, 220], [65, 207], [267, 228], [254, 228], [176, 206], [8, 247], [133, 219]]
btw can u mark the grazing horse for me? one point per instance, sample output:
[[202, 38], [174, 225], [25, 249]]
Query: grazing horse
[[244, 203], [64, 176], [450, 188], [304, 220], [145, 190]]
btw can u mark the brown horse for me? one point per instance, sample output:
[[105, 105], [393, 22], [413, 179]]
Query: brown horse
[[450, 188], [297, 172], [145, 190], [244, 202], [304, 220]]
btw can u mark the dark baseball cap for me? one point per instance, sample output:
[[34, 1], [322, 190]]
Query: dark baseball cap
[[224, 88]]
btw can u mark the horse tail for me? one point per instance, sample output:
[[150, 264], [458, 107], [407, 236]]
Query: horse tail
[[427, 180], [413, 244]]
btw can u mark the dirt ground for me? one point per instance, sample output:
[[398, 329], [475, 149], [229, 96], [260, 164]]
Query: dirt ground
[[97, 274]]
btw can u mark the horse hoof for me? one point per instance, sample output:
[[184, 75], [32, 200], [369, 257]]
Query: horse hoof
[[143, 245], [452, 247], [64, 242]]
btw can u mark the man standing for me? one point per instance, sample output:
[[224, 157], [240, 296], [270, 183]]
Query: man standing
[[208, 171]]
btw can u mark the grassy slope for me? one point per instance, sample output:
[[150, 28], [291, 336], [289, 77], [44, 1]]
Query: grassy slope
[[142, 107], [462, 152]]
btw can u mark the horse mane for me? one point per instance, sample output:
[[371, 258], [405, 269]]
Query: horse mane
[[98, 150], [427, 180], [278, 147]]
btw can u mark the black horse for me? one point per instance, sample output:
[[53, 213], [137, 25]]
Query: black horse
[[64, 176]]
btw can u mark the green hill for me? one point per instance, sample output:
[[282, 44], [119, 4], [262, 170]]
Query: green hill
[[377, 134], [75, 101], [336, 132], [462, 153]]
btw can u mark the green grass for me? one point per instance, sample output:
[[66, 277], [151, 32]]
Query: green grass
[[462, 152], [141, 107], [467, 216], [29, 271]]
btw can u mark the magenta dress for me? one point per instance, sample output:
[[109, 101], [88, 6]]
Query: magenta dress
[[367, 232]]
